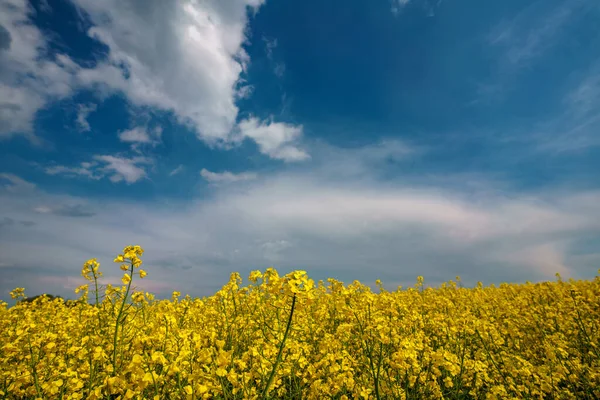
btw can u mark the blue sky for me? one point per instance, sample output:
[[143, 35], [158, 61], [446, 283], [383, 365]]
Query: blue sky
[[353, 139]]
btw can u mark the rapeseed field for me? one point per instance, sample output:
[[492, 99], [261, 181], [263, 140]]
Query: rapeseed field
[[287, 337]]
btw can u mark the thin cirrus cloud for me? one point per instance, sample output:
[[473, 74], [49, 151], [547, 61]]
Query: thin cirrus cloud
[[535, 30], [179, 169], [519, 42]]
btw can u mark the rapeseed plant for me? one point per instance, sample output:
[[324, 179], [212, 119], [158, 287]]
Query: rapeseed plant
[[285, 337]]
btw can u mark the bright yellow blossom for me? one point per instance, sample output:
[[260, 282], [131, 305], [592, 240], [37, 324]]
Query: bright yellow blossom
[[285, 337]]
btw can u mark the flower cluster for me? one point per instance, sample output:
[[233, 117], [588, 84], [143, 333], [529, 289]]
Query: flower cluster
[[289, 337]]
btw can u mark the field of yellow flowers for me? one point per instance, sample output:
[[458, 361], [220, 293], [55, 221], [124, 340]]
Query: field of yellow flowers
[[287, 337]]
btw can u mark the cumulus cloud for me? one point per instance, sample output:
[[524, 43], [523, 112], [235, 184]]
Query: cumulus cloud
[[28, 81], [193, 67], [275, 139], [226, 176]]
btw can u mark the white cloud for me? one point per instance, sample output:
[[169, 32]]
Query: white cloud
[[352, 230], [124, 169], [27, 80], [270, 45], [583, 102], [185, 57], [16, 184], [116, 168], [534, 30], [275, 139], [135, 135], [177, 170], [83, 111], [42, 210], [226, 176], [17, 109], [576, 127], [398, 5], [85, 169], [193, 65]]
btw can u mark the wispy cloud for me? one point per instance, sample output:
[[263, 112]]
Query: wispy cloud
[[85, 169], [116, 167], [270, 45], [226, 176], [8, 222], [177, 170], [277, 65], [398, 5], [520, 42], [534, 30], [125, 169], [576, 127], [14, 183], [83, 111], [66, 210], [584, 100]]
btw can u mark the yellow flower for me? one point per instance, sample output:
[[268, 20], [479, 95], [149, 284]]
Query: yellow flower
[[254, 276], [18, 293], [126, 279], [202, 389], [194, 348], [137, 297]]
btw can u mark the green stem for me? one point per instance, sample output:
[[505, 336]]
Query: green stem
[[278, 360], [114, 360], [96, 287]]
